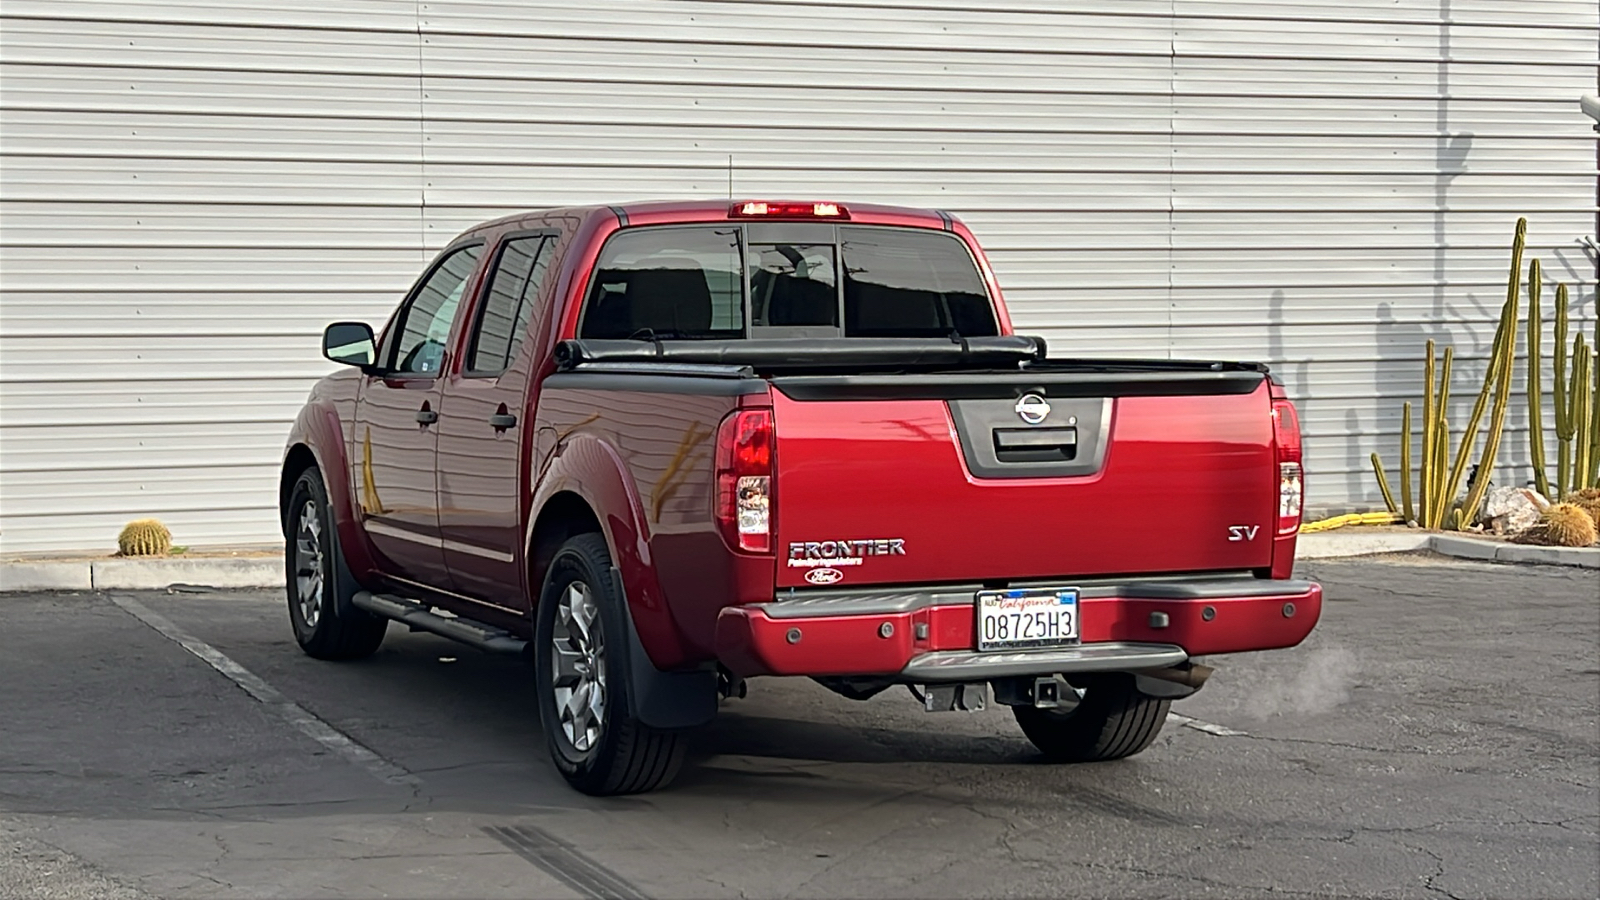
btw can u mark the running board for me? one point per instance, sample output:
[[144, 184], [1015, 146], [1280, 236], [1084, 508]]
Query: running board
[[419, 617]]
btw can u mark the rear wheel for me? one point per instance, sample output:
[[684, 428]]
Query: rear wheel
[[1111, 721], [319, 584], [581, 667]]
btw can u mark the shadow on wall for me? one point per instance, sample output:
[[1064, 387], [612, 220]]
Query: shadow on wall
[[1295, 373], [1398, 378]]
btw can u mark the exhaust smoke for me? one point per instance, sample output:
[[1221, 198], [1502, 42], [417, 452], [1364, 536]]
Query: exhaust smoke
[[1321, 685]]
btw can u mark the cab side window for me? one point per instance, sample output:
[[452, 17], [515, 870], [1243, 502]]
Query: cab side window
[[424, 324], [508, 306]]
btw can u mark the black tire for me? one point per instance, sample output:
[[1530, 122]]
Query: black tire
[[620, 755], [1112, 721], [319, 584]]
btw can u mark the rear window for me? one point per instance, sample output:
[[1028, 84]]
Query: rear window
[[775, 280], [667, 283], [905, 283]]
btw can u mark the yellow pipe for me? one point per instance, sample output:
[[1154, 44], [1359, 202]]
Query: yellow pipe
[[1373, 518]]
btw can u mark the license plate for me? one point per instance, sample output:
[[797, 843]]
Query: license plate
[[1008, 620]]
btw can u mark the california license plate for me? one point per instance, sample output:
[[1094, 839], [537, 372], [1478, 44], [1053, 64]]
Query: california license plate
[[1037, 617]]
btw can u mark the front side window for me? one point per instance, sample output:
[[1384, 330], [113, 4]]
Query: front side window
[[675, 282], [424, 325], [508, 306]]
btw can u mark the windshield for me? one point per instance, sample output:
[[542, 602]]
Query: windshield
[[778, 280]]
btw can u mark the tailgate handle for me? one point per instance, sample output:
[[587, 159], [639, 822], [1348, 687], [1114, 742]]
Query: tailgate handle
[[1035, 444]]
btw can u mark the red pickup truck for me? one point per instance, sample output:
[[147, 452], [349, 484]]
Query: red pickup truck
[[661, 448]]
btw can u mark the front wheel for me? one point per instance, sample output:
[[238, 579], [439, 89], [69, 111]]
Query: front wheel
[[1111, 721], [319, 584], [581, 671]]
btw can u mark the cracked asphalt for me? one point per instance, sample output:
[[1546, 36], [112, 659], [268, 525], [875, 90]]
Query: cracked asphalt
[[1437, 736]]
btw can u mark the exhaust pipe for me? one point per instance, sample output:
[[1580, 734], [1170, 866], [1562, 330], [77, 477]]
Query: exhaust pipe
[[1174, 682]]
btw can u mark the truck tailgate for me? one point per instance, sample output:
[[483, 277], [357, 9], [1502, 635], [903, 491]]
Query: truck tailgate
[[1006, 477]]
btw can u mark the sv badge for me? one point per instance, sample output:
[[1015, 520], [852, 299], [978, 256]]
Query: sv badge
[[1243, 532]]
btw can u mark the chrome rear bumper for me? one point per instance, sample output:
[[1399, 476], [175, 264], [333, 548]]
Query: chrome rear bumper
[[967, 665]]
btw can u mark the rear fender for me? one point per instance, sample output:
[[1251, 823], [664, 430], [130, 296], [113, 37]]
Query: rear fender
[[588, 467], [318, 430], [591, 469]]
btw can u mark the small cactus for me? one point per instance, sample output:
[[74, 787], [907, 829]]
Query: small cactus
[[1587, 500], [144, 537], [1568, 525]]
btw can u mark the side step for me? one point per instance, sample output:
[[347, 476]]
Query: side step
[[410, 612]]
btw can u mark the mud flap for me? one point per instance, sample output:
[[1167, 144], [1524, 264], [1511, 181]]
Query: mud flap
[[666, 699]]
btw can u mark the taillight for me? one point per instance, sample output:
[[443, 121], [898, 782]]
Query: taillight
[[744, 480], [1291, 490]]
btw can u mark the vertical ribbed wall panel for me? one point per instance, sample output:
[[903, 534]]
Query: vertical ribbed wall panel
[[190, 190]]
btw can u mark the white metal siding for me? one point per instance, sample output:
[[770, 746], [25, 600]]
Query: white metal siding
[[190, 190]]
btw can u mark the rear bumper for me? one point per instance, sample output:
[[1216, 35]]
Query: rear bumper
[[928, 635]]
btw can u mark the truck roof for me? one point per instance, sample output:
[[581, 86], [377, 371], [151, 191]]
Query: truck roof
[[658, 212]]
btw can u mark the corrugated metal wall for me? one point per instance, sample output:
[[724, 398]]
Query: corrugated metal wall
[[191, 190]]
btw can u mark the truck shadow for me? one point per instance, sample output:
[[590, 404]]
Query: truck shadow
[[763, 736], [488, 705]]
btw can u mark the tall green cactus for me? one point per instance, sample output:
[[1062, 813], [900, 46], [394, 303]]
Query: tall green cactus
[[1501, 366], [1383, 483], [1503, 349], [1405, 462], [1429, 417], [1535, 374], [1441, 441], [1580, 414], [1575, 395], [1593, 479], [1431, 468], [1563, 411], [1576, 392], [1441, 468]]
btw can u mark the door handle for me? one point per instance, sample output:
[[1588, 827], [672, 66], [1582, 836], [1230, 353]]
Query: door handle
[[1024, 445], [503, 421], [427, 416]]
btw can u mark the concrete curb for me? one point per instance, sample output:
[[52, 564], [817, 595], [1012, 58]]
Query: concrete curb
[[1334, 545], [267, 571], [1498, 551], [140, 574], [1355, 542]]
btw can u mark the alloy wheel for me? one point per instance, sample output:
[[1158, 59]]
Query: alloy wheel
[[308, 564], [579, 668]]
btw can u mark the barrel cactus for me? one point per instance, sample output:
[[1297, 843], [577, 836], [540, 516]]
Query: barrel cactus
[[144, 537], [1587, 500], [1568, 525]]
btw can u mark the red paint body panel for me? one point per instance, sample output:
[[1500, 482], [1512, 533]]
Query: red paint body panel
[[321, 427], [643, 462], [752, 643], [1178, 473]]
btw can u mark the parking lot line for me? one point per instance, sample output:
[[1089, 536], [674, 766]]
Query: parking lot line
[[293, 713], [1207, 727]]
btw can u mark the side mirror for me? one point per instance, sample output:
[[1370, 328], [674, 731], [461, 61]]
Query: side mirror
[[350, 344]]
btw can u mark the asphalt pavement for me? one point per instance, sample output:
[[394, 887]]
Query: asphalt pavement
[[1437, 736]]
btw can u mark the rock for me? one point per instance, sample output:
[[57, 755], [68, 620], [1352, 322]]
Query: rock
[[1511, 510]]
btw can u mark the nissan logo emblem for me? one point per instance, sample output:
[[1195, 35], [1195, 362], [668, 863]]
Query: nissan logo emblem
[[1032, 408]]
